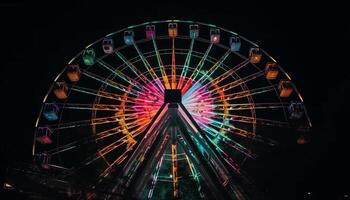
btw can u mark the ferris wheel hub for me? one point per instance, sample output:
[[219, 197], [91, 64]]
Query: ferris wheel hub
[[172, 96]]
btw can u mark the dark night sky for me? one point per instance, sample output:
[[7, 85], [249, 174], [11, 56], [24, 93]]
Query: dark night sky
[[310, 41]]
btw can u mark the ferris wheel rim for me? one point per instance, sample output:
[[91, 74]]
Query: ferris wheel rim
[[168, 21]]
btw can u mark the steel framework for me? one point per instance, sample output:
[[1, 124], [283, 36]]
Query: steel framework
[[166, 108]]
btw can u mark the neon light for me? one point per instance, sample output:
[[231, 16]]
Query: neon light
[[196, 100], [173, 66], [147, 104], [185, 67], [161, 65], [174, 169]]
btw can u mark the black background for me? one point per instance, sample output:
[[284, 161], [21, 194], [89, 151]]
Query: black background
[[310, 40]]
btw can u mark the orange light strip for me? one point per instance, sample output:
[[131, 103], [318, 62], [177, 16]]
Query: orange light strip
[[238, 82], [173, 67], [228, 73], [174, 169], [161, 66], [117, 161]]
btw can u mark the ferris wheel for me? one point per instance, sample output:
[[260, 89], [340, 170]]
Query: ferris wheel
[[166, 110]]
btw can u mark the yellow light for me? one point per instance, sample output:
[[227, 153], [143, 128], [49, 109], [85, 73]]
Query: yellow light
[[174, 168]]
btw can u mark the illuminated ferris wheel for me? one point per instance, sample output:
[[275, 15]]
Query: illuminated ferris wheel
[[165, 110]]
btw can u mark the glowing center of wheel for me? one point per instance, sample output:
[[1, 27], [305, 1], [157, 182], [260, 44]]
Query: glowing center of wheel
[[197, 101], [147, 103]]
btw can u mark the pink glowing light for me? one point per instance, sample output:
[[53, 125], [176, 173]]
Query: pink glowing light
[[196, 99]]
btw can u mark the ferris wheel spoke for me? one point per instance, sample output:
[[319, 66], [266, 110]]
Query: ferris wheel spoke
[[108, 95], [195, 93], [93, 92], [233, 164], [212, 69], [240, 148], [240, 132], [149, 68], [131, 124], [260, 121], [98, 155], [248, 135], [118, 73], [118, 130], [243, 94], [196, 97], [197, 85], [228, 73], [185, 66], [108, 82], [249, 93], [114, 96], [132, 115], [236, 83], [74, 124], [95, 121], [79, 106], [139, 128], [247, 119], [127, 139], [117, 161], [197, 70], [161, 65], [173, 65], [139, 74], [82, 141], [229, 128], [107, 133], [265, 140], [201, 63], [69, 146], [216, 123], [222, 137], [249, 106], [107, 149], [129, 80]]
